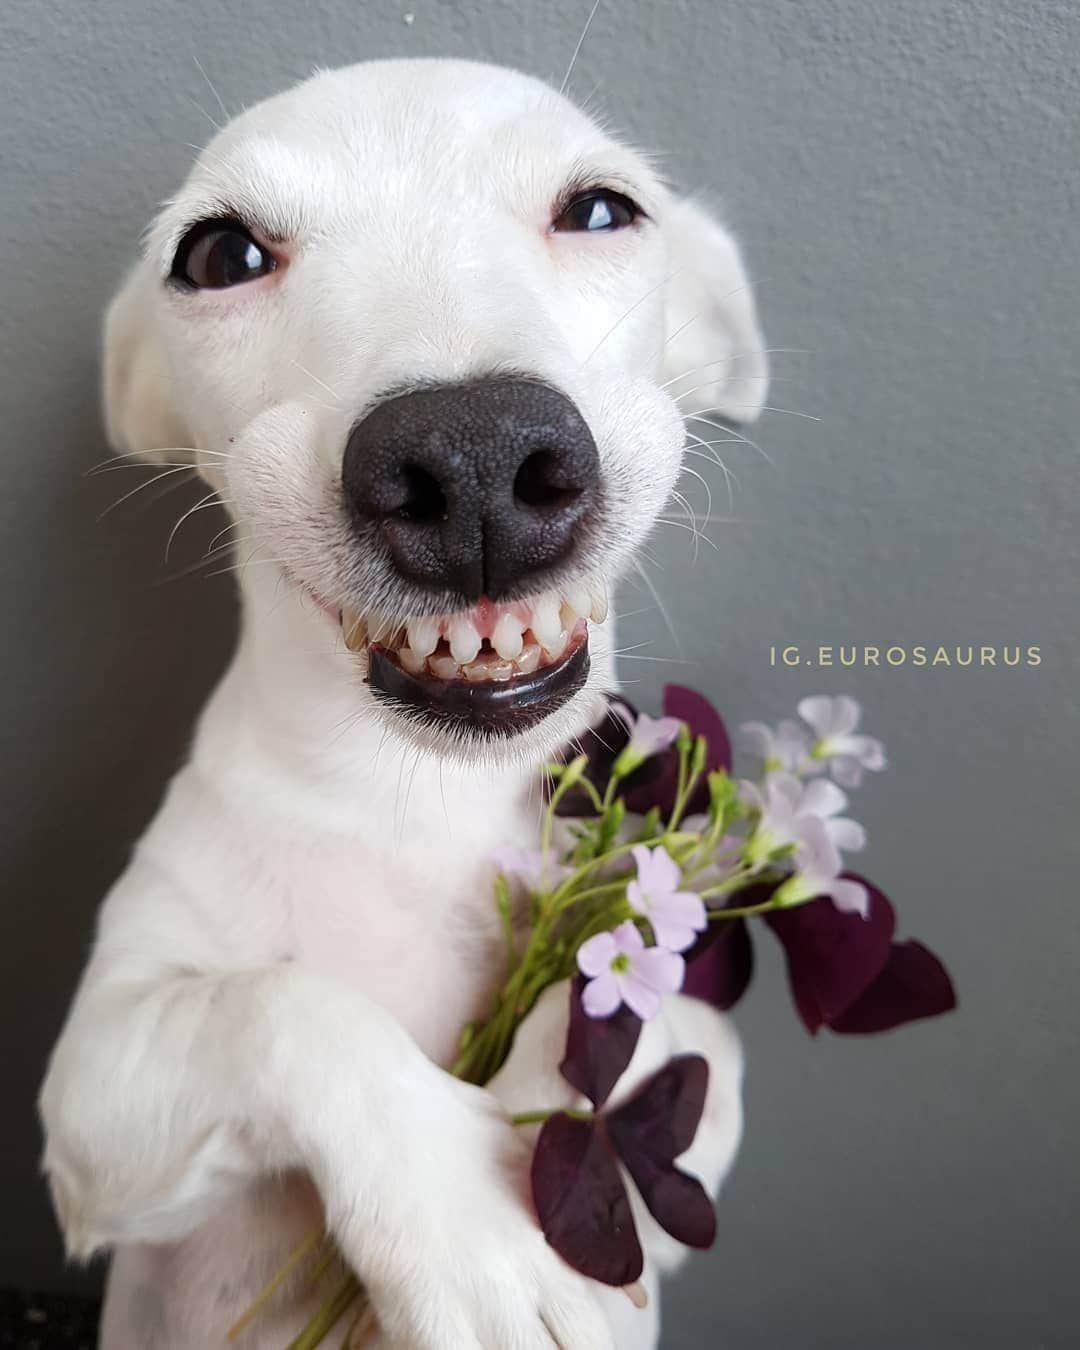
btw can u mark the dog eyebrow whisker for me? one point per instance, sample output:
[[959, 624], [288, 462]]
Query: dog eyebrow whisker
[[578, 47], [623, 317], [321, 383]]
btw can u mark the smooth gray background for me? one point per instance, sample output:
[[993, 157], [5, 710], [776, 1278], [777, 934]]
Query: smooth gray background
[[904, 177]]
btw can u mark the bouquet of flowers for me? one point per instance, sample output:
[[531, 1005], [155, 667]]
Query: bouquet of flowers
[[652, 866]]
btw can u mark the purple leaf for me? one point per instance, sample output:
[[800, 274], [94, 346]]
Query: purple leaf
[[654, 1128], [703, 720], [598, 1049], [913, 984], [720, 964], [833, 957], [582, 1203]]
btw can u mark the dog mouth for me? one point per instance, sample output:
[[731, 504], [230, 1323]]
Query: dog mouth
[[496, 669]]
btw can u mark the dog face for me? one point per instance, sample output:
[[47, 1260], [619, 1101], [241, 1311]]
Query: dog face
[[416, 321]]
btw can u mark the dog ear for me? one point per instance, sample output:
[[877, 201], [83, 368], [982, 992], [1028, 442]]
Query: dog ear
[[714, 345], [139, 400]]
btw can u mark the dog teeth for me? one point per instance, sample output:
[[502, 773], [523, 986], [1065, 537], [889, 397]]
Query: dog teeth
[[353, 630], [578, 600], [529, 659], [464, 641], [444, 667], [598, 610], [554, 650], [480, 671], [411, 660], [506, 637], [546, 623], [423, 636]]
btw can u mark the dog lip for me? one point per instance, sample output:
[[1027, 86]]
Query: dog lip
[[490, 708]]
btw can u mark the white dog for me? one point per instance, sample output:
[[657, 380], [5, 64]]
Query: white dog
[[416, 322]]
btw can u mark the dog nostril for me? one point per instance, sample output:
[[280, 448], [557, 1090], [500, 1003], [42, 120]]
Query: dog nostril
[[425, 502], [540, 483]]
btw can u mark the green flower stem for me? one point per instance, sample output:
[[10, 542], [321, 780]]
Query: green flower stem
[[307, 1249], [323, 1322], [538, 1117]]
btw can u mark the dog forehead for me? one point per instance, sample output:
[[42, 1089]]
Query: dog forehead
[[352, 137]]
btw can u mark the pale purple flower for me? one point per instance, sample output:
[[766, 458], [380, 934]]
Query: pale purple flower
[[648, 737], [621, 969], [786, 748], [786, 802], [529, 865], [676, 916], [817, 868], [836, 746]]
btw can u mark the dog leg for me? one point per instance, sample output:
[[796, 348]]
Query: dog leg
[[169, 1090]]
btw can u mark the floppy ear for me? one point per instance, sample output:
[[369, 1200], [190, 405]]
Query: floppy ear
[[139, 400], [714, 343]]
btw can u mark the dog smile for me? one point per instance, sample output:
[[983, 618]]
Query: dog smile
[[496, 668]]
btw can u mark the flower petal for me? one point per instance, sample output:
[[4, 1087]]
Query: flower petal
[[913, 984], [846, 769], [677, 919], [850, 897], [659, 969], [581, 1201], [822, 798], [672, 935], [817, 712], [758, 739], [870, 752], [654, 1128], [653, 734], [846, 834], [597, 953], [832, 957], [628, 937], [638, 996], [845, 715], [602, 995], [597, 1050]]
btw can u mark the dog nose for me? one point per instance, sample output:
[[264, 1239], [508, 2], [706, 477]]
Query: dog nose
[[475, 487]]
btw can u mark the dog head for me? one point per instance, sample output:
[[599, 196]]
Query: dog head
[[417, 321]]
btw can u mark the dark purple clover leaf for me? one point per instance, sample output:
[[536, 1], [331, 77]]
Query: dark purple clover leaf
[[833, 957], [720, 965], [702, 719], [581, 1201], [913, 984], [654, 1128], [598, 1049]]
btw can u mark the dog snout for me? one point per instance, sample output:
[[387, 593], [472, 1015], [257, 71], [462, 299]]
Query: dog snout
[[475, 487]]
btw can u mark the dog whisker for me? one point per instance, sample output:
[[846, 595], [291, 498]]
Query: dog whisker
[[734, 435], [157, 478], [577, 50], [210, 85], [211, 499], [321, 383], [664, 281]]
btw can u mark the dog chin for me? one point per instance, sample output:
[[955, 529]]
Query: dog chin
[[493, 678]]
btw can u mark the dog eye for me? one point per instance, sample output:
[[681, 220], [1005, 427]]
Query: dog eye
[[219, 253], [600, 209]]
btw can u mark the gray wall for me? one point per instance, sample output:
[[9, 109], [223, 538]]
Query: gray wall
[[904, 176]]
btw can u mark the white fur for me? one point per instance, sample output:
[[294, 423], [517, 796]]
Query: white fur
[[308, 921]]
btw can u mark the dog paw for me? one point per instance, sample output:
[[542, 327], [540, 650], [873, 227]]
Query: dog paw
[[457, 1261]]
